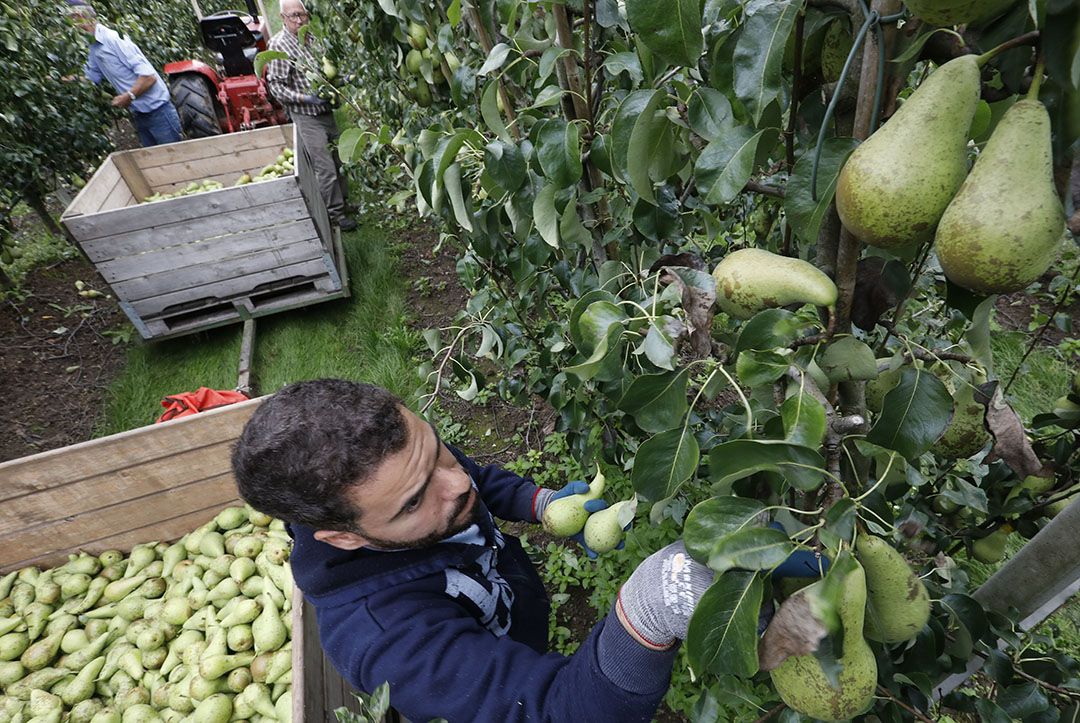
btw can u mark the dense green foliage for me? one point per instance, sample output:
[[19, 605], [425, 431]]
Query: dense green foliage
[[592, 162]]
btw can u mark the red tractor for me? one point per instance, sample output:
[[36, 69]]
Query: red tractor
[[231, 97]]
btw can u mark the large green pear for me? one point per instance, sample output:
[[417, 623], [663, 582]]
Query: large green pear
[[991, 549], [897, 604], [803, 685], [567, 516], [1003, 229], [894, 187], [750, 280], [957, 12], [876, 389]]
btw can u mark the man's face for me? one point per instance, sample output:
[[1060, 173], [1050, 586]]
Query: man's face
[[294, 16], [86, 25], [416, 497]]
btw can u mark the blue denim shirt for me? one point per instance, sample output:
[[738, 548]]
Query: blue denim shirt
[[120, 61]]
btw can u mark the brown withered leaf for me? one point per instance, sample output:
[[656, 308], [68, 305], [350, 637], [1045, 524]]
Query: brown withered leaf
[[690, 260], [1011, 443], [698, 290], [793, 631]]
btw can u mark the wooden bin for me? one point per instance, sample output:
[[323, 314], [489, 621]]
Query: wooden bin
[[152, 483], [213, 258]]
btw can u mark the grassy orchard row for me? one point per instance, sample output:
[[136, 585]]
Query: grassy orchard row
[[195, 631], [637, 151]]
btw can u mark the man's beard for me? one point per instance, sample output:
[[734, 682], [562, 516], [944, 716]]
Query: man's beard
[[475, 515]]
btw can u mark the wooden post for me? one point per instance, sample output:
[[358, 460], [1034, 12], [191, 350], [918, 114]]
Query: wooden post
[[247, 349]]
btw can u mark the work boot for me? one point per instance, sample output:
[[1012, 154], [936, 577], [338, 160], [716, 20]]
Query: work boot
[[346, 223]]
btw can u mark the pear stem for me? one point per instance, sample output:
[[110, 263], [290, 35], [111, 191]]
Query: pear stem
[[1036, 80], [1025, 39]]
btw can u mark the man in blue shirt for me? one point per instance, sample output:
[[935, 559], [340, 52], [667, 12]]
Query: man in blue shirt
[[118, 60]]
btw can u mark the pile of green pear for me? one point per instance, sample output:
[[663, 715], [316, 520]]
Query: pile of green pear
[[195, 631], [882, 599], [602, 530], [283, 165], [997, 228]]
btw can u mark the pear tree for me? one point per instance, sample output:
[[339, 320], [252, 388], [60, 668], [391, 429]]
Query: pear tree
[[717, 239]]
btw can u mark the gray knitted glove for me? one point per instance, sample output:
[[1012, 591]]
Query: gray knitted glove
[[656, 602]]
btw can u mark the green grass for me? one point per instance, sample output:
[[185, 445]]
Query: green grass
[[364, 338], [1043, 378]]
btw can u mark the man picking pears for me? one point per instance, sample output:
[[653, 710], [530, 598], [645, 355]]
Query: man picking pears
[[313, 116], [396, 546]]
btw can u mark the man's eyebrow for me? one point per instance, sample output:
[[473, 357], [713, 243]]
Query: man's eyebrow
[[431, 473]]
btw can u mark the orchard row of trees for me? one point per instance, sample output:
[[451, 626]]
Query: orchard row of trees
[[593, 160]]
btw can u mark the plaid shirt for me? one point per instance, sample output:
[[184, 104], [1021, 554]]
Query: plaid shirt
[[287, 79]]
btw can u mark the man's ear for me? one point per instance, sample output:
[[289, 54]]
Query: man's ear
[[341, 540]]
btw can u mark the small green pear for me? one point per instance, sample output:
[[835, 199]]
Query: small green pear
[[604, 529], [876, 389], [1054, 509], [750, 280], [804, 686], [957, 12], [894, 187], [897, 604], [1004, 228], [966, 433], [567, 516], [835, 48], [991, 549]]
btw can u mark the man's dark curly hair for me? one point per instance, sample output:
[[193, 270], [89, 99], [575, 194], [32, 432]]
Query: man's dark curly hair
[[309, 443]]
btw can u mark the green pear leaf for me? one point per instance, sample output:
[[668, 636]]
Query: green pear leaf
[[803, 212], [803, 468], [709, 112], [722, 637], [914, 415], [505, 164], [669, 28], [725, 165], [751, 548], [559, 152], [769, 329], [716, 517], [664, 462], [657, 402], [804, 420], [759, 52]]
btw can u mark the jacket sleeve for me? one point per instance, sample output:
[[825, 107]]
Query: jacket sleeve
[[440, 663], [508, 496]]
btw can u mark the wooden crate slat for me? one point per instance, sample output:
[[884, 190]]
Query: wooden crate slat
[[80, 529], [283, 205], [93, 194], [167, 529], [309, 186], [232, 163], [132, 175], [199, 252], [240, 286], [93, 494], [235, 266], [124, 450], [185, 151], [180, 210], [120, 197], [263, 304]]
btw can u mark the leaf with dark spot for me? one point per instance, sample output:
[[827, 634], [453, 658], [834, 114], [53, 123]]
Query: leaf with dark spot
[[698, 294], [793, 631], [879, 285], [1011, 443]]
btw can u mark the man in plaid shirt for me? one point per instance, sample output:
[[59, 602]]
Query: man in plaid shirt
[[312, 115]]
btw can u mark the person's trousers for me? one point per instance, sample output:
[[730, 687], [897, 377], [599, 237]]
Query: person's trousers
[[319, 134], [161, 125]]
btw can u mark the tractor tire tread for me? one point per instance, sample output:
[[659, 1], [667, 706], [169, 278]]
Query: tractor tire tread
[[195, 106]]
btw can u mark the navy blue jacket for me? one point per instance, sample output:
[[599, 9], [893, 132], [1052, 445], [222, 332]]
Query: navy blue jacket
[[386, 616]]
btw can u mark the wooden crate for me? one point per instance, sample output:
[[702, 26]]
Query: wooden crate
[[196, 262], [152, 483]]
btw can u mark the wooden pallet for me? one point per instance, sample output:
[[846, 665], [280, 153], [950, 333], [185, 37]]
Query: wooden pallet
[[153, 483], [195, 262]]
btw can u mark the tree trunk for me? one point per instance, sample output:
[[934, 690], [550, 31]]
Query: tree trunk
[[37, 202]]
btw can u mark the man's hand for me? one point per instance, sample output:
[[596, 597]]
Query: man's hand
[[313, 100], [656, 602], [121, 101]]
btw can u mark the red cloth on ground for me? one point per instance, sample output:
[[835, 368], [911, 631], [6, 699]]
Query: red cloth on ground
[[202, 399]]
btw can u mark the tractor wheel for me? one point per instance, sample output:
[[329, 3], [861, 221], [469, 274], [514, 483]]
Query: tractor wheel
[[195, 105]]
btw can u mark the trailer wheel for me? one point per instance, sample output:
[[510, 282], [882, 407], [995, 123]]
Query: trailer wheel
[[195, 105]]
